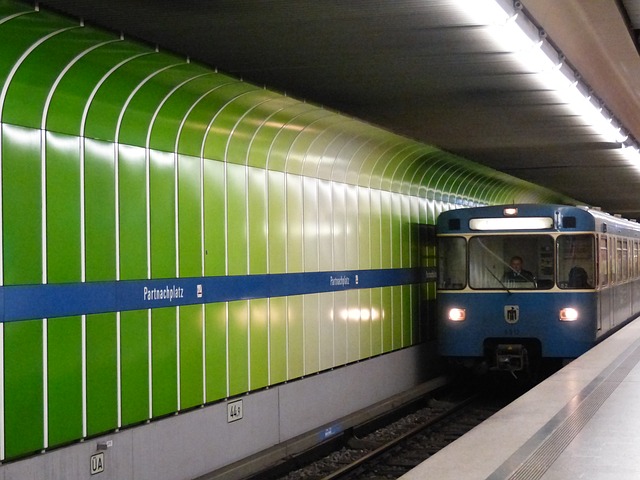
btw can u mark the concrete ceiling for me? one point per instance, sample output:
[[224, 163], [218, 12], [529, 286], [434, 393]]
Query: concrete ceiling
[[421, 68]]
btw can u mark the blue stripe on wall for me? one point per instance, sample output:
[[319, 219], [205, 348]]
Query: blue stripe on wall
[[23, 302]]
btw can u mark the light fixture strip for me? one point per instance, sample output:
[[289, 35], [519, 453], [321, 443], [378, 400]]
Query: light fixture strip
[[515, 33]]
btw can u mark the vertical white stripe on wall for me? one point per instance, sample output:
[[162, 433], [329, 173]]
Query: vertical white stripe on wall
[[177, 242], [45, 323], [202, 273], [248, 263], [226, 340], [147, 162]]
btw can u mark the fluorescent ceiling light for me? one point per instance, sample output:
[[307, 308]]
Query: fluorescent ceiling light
[[514, 33]]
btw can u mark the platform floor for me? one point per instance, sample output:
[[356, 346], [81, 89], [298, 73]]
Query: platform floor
[[581, 423]]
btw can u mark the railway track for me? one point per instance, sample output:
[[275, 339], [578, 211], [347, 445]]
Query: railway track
[[389, 451]]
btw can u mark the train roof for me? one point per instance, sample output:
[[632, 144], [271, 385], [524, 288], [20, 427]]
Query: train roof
[[548, 217]]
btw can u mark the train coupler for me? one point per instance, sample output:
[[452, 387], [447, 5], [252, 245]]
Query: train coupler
[[511, 358]]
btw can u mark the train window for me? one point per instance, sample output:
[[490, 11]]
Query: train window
[[452, 257], [511, 262], [612, 261], [625, 261], [635, 259], [576, 263], [603, 263]]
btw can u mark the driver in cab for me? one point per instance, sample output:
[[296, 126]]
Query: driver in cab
[[516, 273]]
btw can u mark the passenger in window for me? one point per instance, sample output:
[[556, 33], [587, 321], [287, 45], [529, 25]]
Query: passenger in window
[[517, 273], [578, 278]]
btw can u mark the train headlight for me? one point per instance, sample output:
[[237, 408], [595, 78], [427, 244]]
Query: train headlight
[[457, 314], [568, 314]]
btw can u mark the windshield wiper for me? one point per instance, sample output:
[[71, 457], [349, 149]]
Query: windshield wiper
[[498, 279]]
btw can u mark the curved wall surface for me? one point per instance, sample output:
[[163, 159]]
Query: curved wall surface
[[172, 236]]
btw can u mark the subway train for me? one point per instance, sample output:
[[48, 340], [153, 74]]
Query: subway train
[[519, 284]]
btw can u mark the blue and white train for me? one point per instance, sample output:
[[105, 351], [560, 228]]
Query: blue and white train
[[521, 283]]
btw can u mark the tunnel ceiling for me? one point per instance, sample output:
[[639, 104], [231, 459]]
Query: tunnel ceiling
[[422, 69]]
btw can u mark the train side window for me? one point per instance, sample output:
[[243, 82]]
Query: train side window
[[452, 261], [576, 262], [612, 261], [603, 262], [635, 259], [621, 260]]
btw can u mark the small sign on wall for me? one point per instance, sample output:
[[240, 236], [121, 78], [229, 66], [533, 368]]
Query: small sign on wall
[[97, 463], [234, 411]]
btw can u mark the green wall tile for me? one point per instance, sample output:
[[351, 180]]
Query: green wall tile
[[259, 343], [23, 388], [325, 232], [356, 340], [216, 350], [386, 305], [258, 227], [310, 226], [397, 316], [189, 217], [238, 352], [277, 226], [191, 374], [164, 363], [100, 214], [325, 331], [311, 334], [237, 234], [162, 211], [64, 380], [376, 237], [377, 321], [214, 218], [22, 205], [134, 354], [295, 261], [132, 212], [102, 371], [364, 228], [295, 325], [340, 318], [63, 208], [370, 333], [386, 230], [278, 340]]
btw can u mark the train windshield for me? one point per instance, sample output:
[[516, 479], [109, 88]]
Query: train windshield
[[511, 262]]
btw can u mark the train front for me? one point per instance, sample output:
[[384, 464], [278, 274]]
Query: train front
[[515, 285]]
